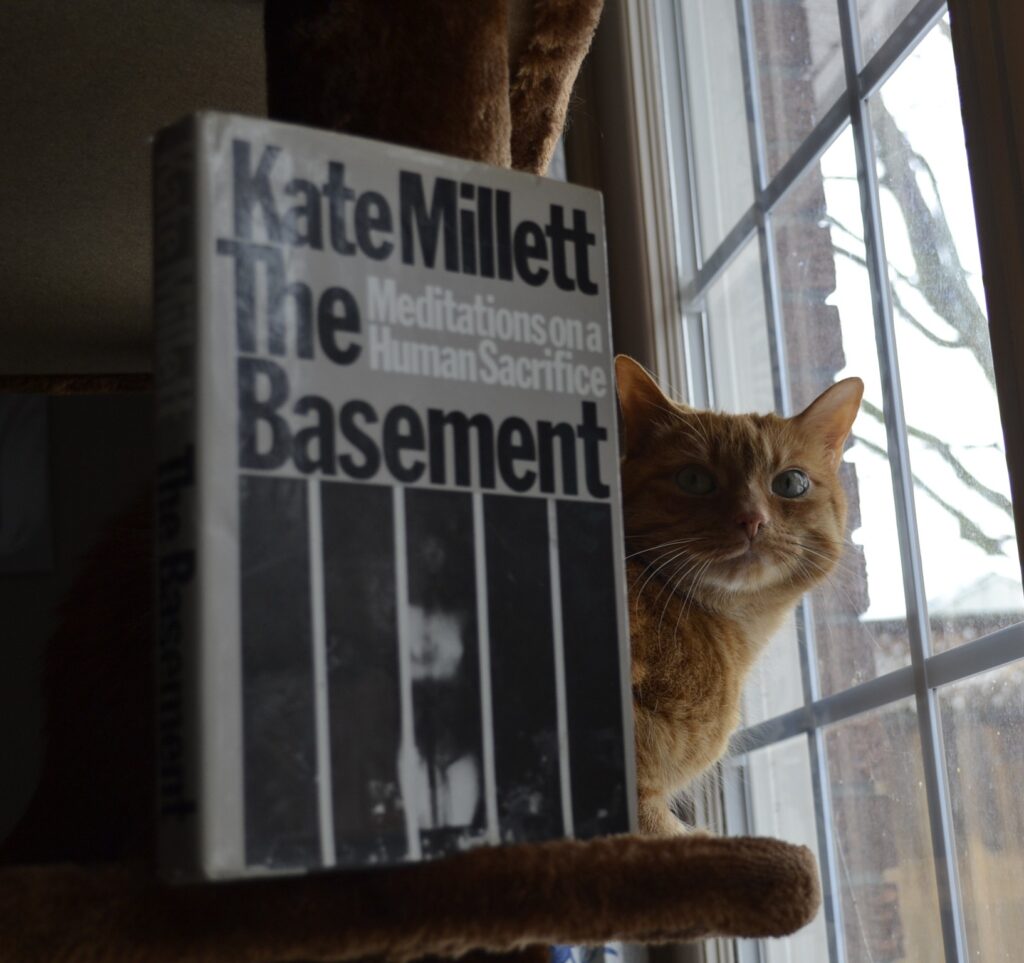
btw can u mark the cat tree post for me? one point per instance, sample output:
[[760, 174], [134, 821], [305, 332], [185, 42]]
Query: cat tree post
[[488, 81]]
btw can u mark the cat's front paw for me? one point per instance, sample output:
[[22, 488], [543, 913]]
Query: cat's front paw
[[657, 819]]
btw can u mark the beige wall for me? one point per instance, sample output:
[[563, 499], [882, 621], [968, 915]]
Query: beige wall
[[84, 87]]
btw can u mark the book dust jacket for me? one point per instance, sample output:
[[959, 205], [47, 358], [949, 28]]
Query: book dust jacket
[[392, 619]]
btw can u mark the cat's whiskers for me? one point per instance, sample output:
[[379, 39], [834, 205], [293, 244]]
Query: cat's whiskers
[[696, 435], [673, 583], [827, 578], [681, 545], [796, 548], [690, 425], [702, 429], [691, 594], [805, 551], [654, 548], [837, 563], [845, 563], [667, 561], [695, 578], [813, 549], [805, 566], [674, 412], [667, 586], [667, 389]]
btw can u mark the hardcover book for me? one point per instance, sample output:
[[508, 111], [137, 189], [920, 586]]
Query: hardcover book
[[391, 619]]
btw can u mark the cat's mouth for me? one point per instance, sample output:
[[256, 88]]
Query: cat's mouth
[[748, 565], [746, 552]]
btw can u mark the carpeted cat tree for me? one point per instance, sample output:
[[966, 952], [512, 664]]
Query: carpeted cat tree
[[487, 80]]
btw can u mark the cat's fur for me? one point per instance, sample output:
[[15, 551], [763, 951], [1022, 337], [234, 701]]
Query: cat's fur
[[712, 576]]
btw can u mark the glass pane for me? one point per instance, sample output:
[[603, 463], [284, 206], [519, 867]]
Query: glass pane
[[878, 19], [983, 731], [859, 612], [962, 492], [721, 146], [739, 349], [740, 355], [884, 856], [800, 71], [782, 805], [775, 684]]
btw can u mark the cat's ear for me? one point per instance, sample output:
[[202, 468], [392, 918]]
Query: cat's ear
[[640, 400], [830, 416]]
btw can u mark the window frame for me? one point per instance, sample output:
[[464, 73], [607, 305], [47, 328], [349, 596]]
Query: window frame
[[633, 84]]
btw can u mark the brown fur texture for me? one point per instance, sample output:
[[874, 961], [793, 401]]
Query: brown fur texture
[[713, 574], [543, 77], [497, 899], [434, 74]]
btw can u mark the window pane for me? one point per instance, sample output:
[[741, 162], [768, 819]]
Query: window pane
[[741, 373], [799, 68], [878, 19], [721, 148], [983, 731], [739, 349], [775, 684], [962, 492], [782, 805], [884, 855], [859, 612]]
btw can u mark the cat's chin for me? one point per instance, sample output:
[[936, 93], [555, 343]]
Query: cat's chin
[[747, 569]]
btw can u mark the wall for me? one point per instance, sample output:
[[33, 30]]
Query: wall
[[100, 456]]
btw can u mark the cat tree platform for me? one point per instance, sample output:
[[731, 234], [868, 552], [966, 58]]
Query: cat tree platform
[[498, 899]]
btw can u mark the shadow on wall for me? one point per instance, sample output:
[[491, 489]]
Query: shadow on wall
[[69, 465]]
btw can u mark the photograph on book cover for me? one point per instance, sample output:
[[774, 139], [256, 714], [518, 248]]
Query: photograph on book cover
[[417, 766], [391, 558]]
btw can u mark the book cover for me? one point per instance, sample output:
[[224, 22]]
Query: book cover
[[391, 619]]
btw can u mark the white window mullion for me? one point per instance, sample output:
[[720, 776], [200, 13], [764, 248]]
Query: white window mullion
[[918, 630], [831, 893]]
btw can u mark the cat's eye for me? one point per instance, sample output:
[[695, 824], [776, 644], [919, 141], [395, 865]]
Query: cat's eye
[[791, 483], [695, 480]]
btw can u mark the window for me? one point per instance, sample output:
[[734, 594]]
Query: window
[[823, 227]]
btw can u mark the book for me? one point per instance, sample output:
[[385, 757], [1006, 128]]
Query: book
[[391, 611]]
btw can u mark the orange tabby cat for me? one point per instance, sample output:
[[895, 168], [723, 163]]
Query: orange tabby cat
[[729, 520]]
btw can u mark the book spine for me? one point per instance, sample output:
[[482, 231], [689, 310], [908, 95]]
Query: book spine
[[175, 319]]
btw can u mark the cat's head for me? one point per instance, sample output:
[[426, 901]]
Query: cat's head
[[733, 503]]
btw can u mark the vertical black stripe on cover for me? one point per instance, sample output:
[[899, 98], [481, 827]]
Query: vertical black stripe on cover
[[364, 693], [523, 695], [278, 713], [444, 665], [590, 633]]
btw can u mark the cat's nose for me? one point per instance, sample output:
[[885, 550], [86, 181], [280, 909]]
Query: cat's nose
[[752, 522]]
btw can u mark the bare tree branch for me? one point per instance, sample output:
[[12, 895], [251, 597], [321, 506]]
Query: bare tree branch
[[969, 530], [897, 303], [941, 278], [834, 221], [893, 270], [942, 448]]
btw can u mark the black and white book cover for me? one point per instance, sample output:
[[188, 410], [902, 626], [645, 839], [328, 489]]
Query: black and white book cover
[[391, 619]]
